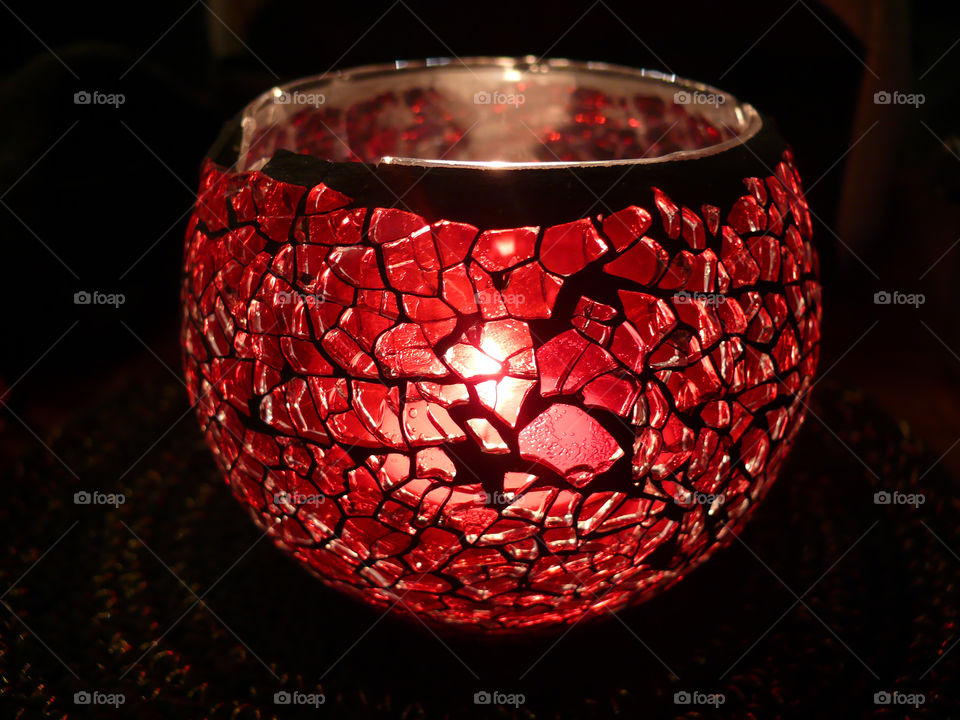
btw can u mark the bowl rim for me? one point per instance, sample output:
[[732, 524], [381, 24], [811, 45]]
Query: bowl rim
[[751, 120]]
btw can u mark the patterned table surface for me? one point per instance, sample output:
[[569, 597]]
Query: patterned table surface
[[174, 601]]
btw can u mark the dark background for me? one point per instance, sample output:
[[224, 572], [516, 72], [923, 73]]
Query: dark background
[[96, 198], [105, 207]]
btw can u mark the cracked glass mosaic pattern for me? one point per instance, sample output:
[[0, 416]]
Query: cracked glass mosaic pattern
[[451, 421]]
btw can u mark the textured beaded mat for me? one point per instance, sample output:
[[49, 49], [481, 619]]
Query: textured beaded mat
[[174, 601]]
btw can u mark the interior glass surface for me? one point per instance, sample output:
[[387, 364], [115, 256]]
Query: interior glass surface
[[492, 112]]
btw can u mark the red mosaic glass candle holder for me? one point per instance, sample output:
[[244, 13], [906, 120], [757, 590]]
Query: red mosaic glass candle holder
[[500, 343]]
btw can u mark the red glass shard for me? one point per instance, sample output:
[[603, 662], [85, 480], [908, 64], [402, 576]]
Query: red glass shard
[[629, 347], [531, 506], [389, 224], [435, 317], [515, 483], [458, 291], [737, 259], [530, 292], [304, 357], [348, 355], [487, 436], [469, 362], [378, 408], [498, 250], [453, 240], [612, 392], [356, 265], [700, 315], [504, 397], [347, 428], [592, 362], [643, 263], [322, 198], [568, 248], [412, 264], [435, 463], [693, 230], [390, 469], [446, 395], [679, 349], [669, 213], [341, 227], [329, 394], [746, 216], [569, 442], [592, 330], [426, 423], [625, 226], [556, 357], [364, 326], [711, 214], [649, 315], [486, 294], [505, 339]]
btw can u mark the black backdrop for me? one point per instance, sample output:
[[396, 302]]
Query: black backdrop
[[97, 197], [105, 207]]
